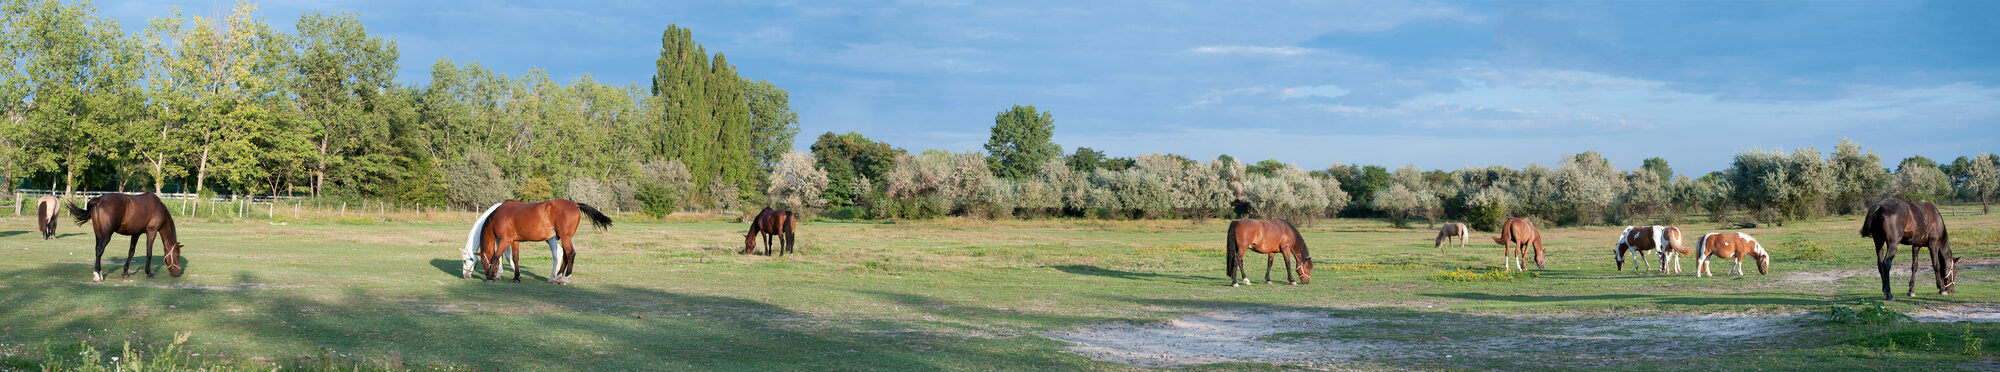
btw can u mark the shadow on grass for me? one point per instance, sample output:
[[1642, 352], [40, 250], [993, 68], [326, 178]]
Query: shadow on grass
[[1639, 299], [4, 234], [474, 326], [1093, 270]]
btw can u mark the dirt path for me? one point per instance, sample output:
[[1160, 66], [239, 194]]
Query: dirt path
[[1333, 340]]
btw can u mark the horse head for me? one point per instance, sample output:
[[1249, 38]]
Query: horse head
[[174, 259], [1305, 270], [1949, 280]]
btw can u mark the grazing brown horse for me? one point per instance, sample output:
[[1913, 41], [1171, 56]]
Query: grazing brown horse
[[1663, 240], [46, 209], [1272, 238], [1449, 230], [134, 215], [771, 223], [552, 221], [1517, 234], [1729, 246], [1918, 225]]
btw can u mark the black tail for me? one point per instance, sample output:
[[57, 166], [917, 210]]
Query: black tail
[[82, 214], [1233, 255], [596, 218]]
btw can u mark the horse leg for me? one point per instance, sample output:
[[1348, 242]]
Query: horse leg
[[1288, 269], [1267, 267], [1736, 267], [134, 250], [149, 253], [1913, 270], [569, 259], [516, 247], [1883, 257]]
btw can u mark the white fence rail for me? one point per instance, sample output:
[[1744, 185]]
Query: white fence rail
[[164, 195]]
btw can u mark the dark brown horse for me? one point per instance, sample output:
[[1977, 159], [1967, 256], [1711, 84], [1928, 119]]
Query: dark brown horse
[[46, 209], [771, 223], [1517, 234], [1918, 225], [552, 221], [1272, 238], [136, 216]]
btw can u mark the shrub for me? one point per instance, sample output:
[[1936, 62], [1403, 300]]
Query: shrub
[[1868, 311], [1486, 209], [534, 190], [475, 183], [589, 191], [657, 200], [796, 184]]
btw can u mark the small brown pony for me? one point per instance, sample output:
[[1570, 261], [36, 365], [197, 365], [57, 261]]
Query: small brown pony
[[46, 209], [1449, 230], [514, 222], [1918, 225], [1517, 234], [134, 215], [1729, 246], [1272, 238], [771, 223]]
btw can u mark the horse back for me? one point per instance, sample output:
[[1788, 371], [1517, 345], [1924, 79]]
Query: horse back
[[1260, 236]]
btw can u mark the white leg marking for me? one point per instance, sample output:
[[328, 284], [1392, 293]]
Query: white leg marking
[[555, 250]]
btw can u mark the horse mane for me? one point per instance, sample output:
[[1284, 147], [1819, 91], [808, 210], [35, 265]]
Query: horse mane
[[1304, 254]]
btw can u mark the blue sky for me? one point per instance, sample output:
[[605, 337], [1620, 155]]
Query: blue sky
[[1435, 84]]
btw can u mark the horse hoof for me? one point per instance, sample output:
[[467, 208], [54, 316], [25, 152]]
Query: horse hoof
[[1233, 284], [1294, 283]]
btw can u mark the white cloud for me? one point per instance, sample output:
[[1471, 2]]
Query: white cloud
[[1324, 91], [1251, 50]]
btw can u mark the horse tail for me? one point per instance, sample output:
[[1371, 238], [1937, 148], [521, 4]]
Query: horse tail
[[1506, 232], [596, 218], [1231, 253], [82, 214], [1872, 221]]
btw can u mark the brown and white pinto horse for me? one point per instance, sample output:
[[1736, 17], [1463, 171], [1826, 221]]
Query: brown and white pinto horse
[[553, 221], [46, 209], [1918, 225], [1272, 238], [1449, 230], [136, 216], [1662, 240], [771, 223], [1517, 234], [1729, 246]]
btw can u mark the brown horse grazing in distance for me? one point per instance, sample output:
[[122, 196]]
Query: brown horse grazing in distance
[[1517, 234], [1663, 240], [1272, 238], [771, 223], [1449, 230], [134, 215], [552, 221], [1729, 246], [46, 209], [1918, 225]]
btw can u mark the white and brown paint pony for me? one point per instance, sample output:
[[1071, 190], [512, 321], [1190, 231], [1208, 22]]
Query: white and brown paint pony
[[1450, 230], [1664, 241], [46, 209], [1729, 246]]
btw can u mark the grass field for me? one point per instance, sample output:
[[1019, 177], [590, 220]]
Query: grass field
[[968, 295]]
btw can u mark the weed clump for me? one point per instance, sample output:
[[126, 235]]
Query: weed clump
[[1464, 275]]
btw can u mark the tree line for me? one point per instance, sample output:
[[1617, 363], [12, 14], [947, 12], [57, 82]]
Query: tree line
[[200, 105], [234, 105]]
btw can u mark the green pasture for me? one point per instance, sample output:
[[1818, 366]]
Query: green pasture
[[373, 292]]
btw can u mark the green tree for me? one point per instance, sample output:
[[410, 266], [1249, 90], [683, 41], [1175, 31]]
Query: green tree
[[1858, 176], [1983, 179], [1084, 160], [1021, 142], [82, 73], [340, 72], [773, 124], [848, 159]]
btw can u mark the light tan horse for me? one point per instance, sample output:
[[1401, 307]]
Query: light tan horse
[[1272, 238], [1449, 230], [46, 209], [1517, 234], [1729, 246], [1662, 240]]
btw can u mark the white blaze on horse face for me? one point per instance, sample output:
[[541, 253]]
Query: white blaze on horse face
[[472, 241]]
